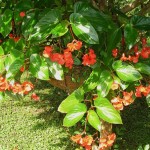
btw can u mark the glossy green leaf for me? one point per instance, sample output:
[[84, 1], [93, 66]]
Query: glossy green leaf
[[100, 21], [75, 115], [94, 120], [104, 84], [14, 54], [1, 51], [83, 29], [14, 68], [114, 37], [56, 70], [28, 24], [60, 29], [44, 26], [141, 22], [92, 80], [130, 35], [8, 45], [106, 111], [148, 100], [127, 72], [5, 22], [143, 68], [38, 67], [74, 98]]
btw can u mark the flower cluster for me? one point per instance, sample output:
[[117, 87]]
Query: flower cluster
[[107, 141], [119, 103], [16, 88], [144, 52], [67, 58], [85, 142], [15, 38], [142, 91]]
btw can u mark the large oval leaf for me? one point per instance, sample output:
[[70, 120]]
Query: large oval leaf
[[60, 29], [94, 120], [5, 22], [127, 72], [130, 35], [104, 84], [92, 80], [45, 24], [143, 68], [75, 115], [106, 111], [83, 29], [114, 37], [73, 99], [38, 67], [141, 22], [14, 68]]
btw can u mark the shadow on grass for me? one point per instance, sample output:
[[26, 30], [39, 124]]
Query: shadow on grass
[[135, 130]]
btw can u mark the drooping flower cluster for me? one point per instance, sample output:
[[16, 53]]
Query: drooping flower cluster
[[66, 58], [142, 91], [119, 103], [85, 142], [107, 141], [16, 88]]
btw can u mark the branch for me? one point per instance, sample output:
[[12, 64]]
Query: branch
[[132, 6], [145, 9]]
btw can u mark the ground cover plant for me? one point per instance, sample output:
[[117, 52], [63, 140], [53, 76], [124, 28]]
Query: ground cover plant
[[102, 47]]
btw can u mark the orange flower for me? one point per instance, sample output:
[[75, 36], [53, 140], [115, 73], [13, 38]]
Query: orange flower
[[114, 86], [35, 97], [27, 87], [127, 98], [87, 140], [22, 14], [22, 69], [76, 138], [4, 85]]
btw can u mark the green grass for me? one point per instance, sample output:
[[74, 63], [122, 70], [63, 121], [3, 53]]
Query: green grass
[[29, 125]]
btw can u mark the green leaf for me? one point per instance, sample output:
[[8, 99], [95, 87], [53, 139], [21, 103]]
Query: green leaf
[[130, 35], [83, 29], [44, 26], [148, 100], [94, 120], [127, 73], [56, 70], [92, 80], [114, 37], [38, 67], [141, 22], [74, 98], [60, 29], [14, 68], [106, 111], [75, 115], [5, 22], [143, 68], [104, 84], [8, 45], [28, 24], [99, 21], [1, 51]]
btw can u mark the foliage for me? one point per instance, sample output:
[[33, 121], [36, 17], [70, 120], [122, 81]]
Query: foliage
[[49, 40]]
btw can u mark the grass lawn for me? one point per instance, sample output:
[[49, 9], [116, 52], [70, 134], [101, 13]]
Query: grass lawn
[[31, 125]]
